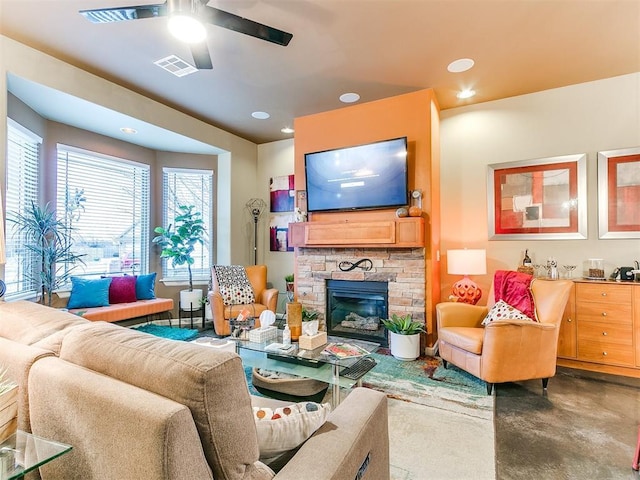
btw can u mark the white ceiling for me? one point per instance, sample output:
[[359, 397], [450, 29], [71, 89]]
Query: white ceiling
[[64, 108], [377, 48]]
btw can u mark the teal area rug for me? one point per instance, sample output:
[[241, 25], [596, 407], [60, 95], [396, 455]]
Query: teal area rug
[[426, 382], [167, 332], [248, 373], [423, 381]]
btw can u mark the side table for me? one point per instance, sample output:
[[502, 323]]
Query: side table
[[23, 452]]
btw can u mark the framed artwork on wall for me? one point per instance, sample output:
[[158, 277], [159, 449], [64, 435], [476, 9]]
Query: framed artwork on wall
[[282, 196], [282, 193], [541, 199], [619, 193], [279, 232]]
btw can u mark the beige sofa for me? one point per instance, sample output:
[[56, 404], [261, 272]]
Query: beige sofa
[[134, 406]]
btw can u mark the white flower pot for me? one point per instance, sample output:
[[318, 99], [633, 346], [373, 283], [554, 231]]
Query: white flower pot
[[190, 300], [405, 347]]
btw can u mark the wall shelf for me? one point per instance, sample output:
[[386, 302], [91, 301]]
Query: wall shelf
[[397, 233]]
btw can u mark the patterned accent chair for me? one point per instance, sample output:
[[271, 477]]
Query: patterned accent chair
[[505, 350], [223, 309]]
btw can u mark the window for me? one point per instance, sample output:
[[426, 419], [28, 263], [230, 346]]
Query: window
[[23, 152], [104, 201], [189, 187]]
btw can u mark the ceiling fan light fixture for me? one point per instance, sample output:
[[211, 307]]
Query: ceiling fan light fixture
[[467, 93], [186, 28]]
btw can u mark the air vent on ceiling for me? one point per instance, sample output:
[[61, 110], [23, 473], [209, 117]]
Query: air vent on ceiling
[[176, 66]]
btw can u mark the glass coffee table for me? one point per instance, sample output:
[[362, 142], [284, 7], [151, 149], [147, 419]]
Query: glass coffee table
[[23, 452], [315, 364]]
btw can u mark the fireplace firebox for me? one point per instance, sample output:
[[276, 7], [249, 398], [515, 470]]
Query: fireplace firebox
[[355, 309]]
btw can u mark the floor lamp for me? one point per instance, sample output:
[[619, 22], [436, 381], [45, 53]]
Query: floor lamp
[[255, 206], [466, 262]]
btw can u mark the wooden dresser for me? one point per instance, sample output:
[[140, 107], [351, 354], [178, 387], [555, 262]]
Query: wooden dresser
[[601, 328]]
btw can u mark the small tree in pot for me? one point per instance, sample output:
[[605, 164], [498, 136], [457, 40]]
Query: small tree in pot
[[51, 246], [178, 244], [404, 336]]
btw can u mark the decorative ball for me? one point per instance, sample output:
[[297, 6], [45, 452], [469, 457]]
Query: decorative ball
[[415, 211], [402, 212]]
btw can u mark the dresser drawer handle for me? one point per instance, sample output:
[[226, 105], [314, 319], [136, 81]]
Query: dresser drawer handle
[[604, 333], [604, 314], [604, 294], [569, 320], [604, 353]]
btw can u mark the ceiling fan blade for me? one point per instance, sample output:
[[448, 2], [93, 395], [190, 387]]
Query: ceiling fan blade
[[201, 56], [233, 22], [118, 14]]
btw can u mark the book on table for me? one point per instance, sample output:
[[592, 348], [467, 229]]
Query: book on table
[[345, 350]]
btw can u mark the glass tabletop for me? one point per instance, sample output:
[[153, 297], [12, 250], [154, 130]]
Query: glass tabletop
[[352, 348], [23, 452]]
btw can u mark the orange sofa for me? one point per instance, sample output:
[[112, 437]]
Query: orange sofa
[[127, 311]]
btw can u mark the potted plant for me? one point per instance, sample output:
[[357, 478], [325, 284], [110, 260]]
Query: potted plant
[[288, 280], [51, 243], [178, 244], [310, 321], [206, 306], [404, 336]]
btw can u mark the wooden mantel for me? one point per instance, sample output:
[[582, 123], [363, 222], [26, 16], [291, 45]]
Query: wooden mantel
[[394, 233]]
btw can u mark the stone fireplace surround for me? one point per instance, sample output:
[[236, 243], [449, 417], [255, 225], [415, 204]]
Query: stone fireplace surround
[[402, 268]]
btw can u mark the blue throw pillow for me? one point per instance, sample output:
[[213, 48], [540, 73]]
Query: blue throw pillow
[[146, 286], [89, 292]]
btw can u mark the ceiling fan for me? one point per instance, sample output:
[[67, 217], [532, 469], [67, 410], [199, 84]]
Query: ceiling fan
[[197, 12]]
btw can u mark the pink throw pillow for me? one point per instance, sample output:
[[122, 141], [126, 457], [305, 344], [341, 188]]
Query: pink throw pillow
[[122, 289], [515, 289]]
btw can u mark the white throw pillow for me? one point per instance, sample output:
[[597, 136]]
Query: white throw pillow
[[285, 428], [503, 311], [234, 285]]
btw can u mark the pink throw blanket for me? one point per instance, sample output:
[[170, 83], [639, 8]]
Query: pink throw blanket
[[515, 289]]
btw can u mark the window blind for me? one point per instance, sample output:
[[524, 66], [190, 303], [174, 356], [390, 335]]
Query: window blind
[[189, 187], [23, 153], [104, 203]]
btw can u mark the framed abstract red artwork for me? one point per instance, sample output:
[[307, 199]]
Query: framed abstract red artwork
[[619, 193], [541, 199]]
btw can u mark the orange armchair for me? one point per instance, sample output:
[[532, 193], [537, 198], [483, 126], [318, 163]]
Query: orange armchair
[[265, 299], [505, 350]]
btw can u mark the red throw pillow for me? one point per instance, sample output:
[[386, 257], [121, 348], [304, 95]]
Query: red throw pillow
[[122, 289], [515, 289]]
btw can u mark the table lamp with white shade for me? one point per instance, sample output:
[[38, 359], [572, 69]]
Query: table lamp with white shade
[[467, 262]]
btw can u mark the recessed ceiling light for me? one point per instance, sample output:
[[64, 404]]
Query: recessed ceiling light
[[349, 97], [286, 130], [468, 93], [129, 130], [260, 115], [460, 65]]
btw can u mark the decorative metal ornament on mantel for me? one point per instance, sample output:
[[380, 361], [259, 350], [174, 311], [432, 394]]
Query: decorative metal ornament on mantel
[[256, 207]]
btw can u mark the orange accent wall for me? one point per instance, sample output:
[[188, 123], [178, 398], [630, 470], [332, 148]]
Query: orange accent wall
[[414, 115]]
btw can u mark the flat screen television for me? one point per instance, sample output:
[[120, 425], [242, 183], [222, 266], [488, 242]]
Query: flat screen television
[[370, 176]]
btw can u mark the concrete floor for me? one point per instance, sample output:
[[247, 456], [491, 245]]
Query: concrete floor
[[584, 427]]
